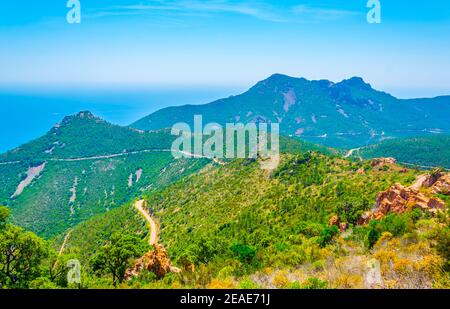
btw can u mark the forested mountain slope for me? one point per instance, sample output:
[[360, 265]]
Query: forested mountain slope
[[84, 166], [346, 114], [421, 151], [239, 226]]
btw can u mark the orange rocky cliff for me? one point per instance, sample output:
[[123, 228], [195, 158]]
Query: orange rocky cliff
[[400, 199], [156, 261]]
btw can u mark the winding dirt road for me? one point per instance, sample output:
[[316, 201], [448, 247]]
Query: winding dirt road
[[139, 205], [122, 154], [193, 155], [110, 156]]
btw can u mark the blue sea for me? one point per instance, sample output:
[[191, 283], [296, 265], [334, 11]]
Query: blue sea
[[28, 114]]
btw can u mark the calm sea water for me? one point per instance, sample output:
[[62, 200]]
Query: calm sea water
[[26, 115]]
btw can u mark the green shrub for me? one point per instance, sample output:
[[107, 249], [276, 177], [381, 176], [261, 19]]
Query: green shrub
[[309, 229], [394, 224], [4, 215], [314, 284], [443, 246], [327, 236], [244, 253], [373, 234], [351, 209], [248, 284]]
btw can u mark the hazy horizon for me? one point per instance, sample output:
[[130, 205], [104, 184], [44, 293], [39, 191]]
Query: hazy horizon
[[223, 43], [30, 114], [233, 89]]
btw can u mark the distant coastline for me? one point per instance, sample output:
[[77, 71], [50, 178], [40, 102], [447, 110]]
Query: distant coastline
[[29, 114]]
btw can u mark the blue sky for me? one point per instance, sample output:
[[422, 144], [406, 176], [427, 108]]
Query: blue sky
[[193, 43]]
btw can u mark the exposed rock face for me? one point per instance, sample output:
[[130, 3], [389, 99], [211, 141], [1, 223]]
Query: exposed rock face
[[442, 185], [383, 161], [343, 226], [400, 199], [335, 221], [427, 181], [32, 173], [156, 261]]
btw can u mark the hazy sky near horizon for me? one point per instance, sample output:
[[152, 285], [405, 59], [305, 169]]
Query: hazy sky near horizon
[[187, 43]]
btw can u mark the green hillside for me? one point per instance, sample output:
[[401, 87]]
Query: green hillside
[[91, 167], [47, 207], [422, 151], [245, 205], [239, 226], [86, 238], [347, 114], [84, 135], [86, 166], [224, 224]]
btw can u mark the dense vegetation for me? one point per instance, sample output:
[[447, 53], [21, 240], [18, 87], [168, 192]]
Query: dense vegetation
[[27, 261], [225, 226], [84, 135], [87, 238], [47, 206], [24, 257], [422, 151], [271, 229], [67, 192], [260, 218]]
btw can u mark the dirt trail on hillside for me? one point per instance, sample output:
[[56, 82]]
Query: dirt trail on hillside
[[157, 260], [63, 245], [122, 154], [216, 160], [139, 205], [115, 155]]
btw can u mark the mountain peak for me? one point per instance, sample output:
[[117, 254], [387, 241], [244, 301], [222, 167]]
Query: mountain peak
[[278, 76], [80, 116], [277, 80], [355, 81], [85, 114]]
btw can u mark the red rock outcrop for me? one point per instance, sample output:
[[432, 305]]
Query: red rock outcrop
[[400, 199], [442, 185], [334, 220], [156, 261]]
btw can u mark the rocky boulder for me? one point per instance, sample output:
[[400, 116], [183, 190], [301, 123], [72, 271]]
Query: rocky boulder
[[400, 199], [442, 185], [156, 261]]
